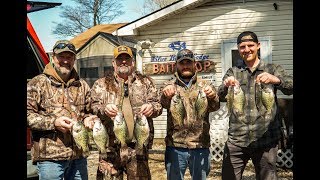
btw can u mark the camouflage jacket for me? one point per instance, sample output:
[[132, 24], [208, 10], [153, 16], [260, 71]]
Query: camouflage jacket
[[141, 90], [255, 130], [194, 131], [48, 98]]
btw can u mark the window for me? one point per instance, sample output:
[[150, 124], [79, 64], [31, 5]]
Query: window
[[108, 71], [91, 72]]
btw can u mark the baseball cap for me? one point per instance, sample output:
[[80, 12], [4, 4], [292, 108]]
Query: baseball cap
[[185, 54], [122, 49], [63, 46], [247, 36]]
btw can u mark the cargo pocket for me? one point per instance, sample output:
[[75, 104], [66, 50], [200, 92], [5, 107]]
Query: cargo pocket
[[42, 148], [35, 152], [107, 170], [137, 168]]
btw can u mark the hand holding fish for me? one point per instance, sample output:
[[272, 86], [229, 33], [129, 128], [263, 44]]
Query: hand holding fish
[[146, 109], [169, 91], [63, 124], [111, 110], [267, 78], [230, 81], [210, 93], [89, 121]]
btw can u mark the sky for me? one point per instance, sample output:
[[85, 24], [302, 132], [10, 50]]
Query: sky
[[42, 21]]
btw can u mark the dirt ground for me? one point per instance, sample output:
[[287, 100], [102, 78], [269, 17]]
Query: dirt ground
[[158, 172]]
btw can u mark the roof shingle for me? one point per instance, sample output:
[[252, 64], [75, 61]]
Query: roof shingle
[[82, 38]]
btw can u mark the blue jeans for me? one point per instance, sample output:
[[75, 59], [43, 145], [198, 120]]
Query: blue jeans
[[178, 159], [67, 170]]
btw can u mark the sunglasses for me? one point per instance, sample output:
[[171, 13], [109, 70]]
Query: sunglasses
[[63, 45], [185, 56]]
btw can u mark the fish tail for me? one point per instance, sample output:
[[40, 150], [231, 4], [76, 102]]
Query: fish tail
[[103, 151]]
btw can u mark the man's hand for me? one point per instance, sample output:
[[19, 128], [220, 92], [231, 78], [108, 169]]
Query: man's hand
[[210, 93], [146, 109], [111, 110], [89, 121], [63, 124], [230, 81], [267, 78], [169, 91]]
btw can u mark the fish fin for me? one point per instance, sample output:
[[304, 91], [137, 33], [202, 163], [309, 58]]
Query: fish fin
[[86, 153]]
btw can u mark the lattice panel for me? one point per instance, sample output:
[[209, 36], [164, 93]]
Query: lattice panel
[[285, 158], [219, 125], [216, 151]]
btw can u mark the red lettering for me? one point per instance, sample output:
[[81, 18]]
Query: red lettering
[[162, 69], [155, 69], [206, 65], [173, 66], [198, 66]]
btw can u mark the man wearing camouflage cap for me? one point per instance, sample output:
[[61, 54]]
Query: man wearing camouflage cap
[[55, 100], [188, 101], [129, 92]]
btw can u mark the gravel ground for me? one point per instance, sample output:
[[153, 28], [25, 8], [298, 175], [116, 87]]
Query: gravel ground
[[156, 163]]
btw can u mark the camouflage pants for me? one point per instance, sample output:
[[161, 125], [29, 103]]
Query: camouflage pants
[[136, 166]]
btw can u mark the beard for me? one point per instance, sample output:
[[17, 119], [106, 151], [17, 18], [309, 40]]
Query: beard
[[186, 74], [63, 70], [124, 70]]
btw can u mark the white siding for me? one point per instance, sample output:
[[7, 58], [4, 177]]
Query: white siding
[[205, 27]]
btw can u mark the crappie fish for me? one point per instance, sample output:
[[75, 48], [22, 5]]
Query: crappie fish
[[177, 109], [120, 128], [141, 132], [238, 99], [267, 97], [81, 137], [100, 136], [235, 100], [201, 104], [229, 98]]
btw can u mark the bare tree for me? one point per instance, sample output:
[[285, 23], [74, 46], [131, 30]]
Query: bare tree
[[154, 5], [86, 14]]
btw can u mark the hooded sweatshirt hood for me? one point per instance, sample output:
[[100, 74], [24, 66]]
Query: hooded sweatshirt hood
[[50, 71]]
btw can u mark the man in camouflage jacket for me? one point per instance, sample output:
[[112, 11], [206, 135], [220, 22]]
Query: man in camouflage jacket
[[140, 97], [55, 100], [188, 101]]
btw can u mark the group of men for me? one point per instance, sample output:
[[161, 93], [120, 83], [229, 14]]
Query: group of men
[[58, 98]]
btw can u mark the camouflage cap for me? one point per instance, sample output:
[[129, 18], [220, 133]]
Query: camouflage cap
[[122, 49], [63, 46], [185, 54]]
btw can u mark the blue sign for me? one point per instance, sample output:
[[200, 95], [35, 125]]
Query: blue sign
[[173, 57], [177, 45]]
